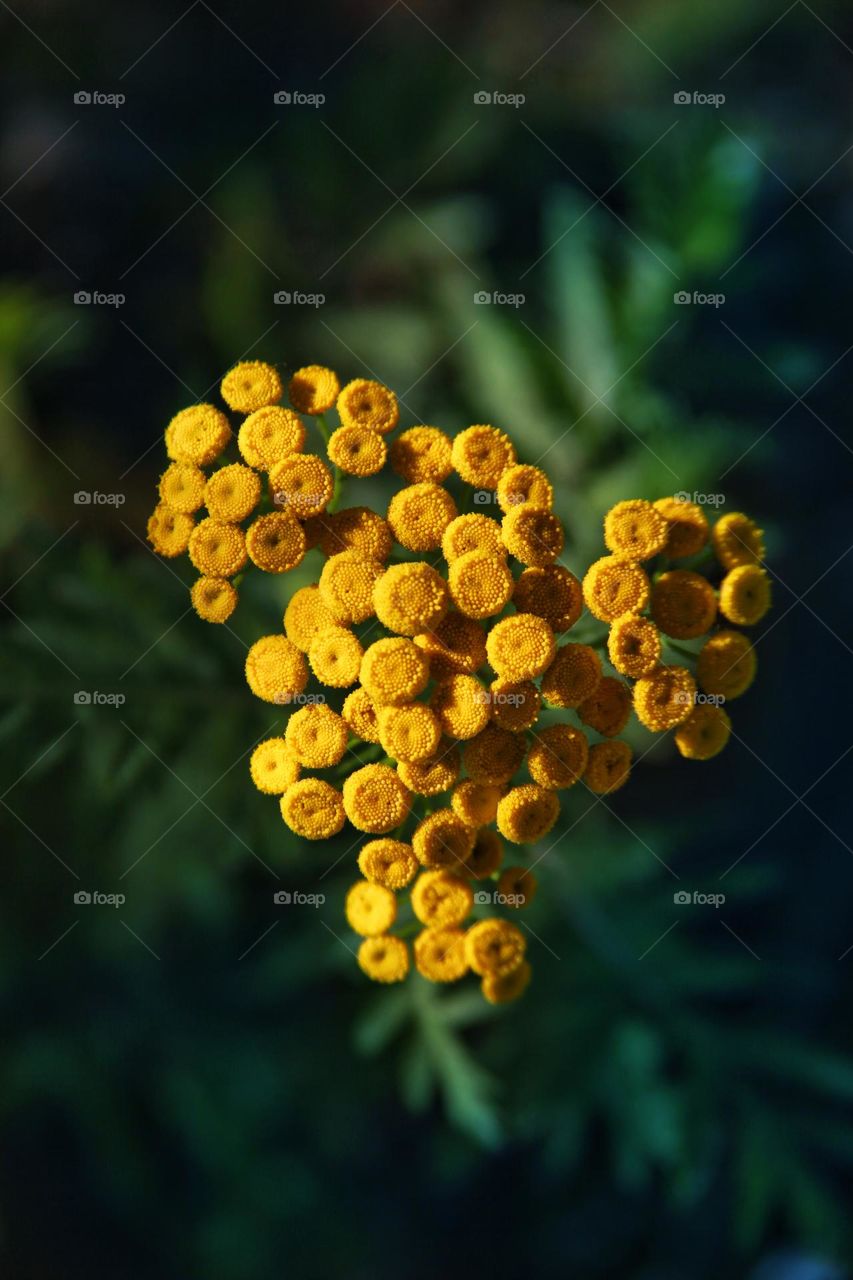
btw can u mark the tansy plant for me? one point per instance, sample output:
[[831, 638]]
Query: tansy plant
[[440, 637]]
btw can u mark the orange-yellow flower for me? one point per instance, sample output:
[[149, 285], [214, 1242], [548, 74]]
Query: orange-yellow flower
[[665, 698], [633, 646], [232, 492], [520, 647], [302, 484], [314, 389], [493, 755], [440, 955], [313, 809], [441, 899], [275, 669], [684, 604], [481, 455], [502, 990], [704, 734], [613, 587], [269, 436], [745, 595], [375, 799], [457, 646], [527, 813], [411, 732], [687, 530], [422, 453], [251, 385], [524, 484], [317, 736], [558, 756], [573, 676], [335, 656], [608, 768], [443, 840], [371, 909], [364, 403], [532, 534], [494, 947], [410, 598], [551, 592], [169, 531], [480, 583], [514, 704], [305, 616], [357, 451], [275, 542], [182, 487], [461, 705], [517, 886], [273, 766], [394, 671], [476, 803], [432, 776], [346, 586], [635, 530], [608, 709], [419, 514], [391, 863], [384, 958], [726, 665], [737, 540], [473, 532], [486, 856], [217, 549], [359, 711], [356, 529], [214, 599], [198, 434]]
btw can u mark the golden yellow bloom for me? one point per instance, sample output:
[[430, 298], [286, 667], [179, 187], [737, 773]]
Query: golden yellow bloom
[[410, 598], [431, 777], [552, 593], [441, 899], [375, 799], [198, 434], [480, 584], [359, 711], [665, 698], [573, 676], [481, 455], [335, 656], [305, 616], [472, 533], [684, 604], [494, 755], [391, 863], [613, 587], [363, 403], [371, 909], [346, 586], [273, 766], [494, 947], [704, 734], [443, 840], [518, 885], [356, 529], [745, 595], [302, 484], [737, 540], [608, 709], [726, 665], [169, 531], [357, 451], [411, 732], [633, 646], [527, 813], [503, 990], [269, 436], [486, 856], [313, 809], [214, 599], [394, 671], [514, 704], [532, 534], [182, 487], [461, 705], [422, 453], [419, 514], [558, 756], [440, 955], [251, 385], [608, 768], [217, 549], [524, 484], [232, 492], [317, 736], [276, 542], [520, 647], [314, 389], [275, 669], [457, 646], [687, 530], [476, 803], [635, 530], [384, 959]]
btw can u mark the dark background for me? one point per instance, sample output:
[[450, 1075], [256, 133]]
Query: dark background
[[199, 1084]]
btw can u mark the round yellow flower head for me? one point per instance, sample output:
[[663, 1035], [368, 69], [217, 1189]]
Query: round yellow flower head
[[504, 990], [346, 586], [275, 669], [527, 813], [313, 809], [494, 755], [431, 777], [276, 542], [633, 646], [520, 647], [302, 484], [514, 704], [457, 646], [684, 604], [480, 584], [232, 492], [476, 803], [273, 767], [198, 434], [359, 711], [376, 799], [335, 656], [440, 955], [532, 534], [357, 451], [441, 899], [665, 698], [745, 595], [371, 909], [410, 598], [687, 527], [356, 529], [305, 616], [394, 671], [269, 436], [363, 403], [524, 484], [613, 587], [481, 455], [518, 885], [573, 676], [419, 514], [552, 593], [217, 549], [384, 959], [422, 453], [314, 389], [472, 533], [411, 732], [443, 840], [726, 665], [635, 530], [608, 768], [182, 487], [558, 756], [461, 705], [388, 862], [704, 734], [486, 856], [608, 709], [737, 540], [494, 947], [169, 531], [214, 599], [317, 736], [251, 385]]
